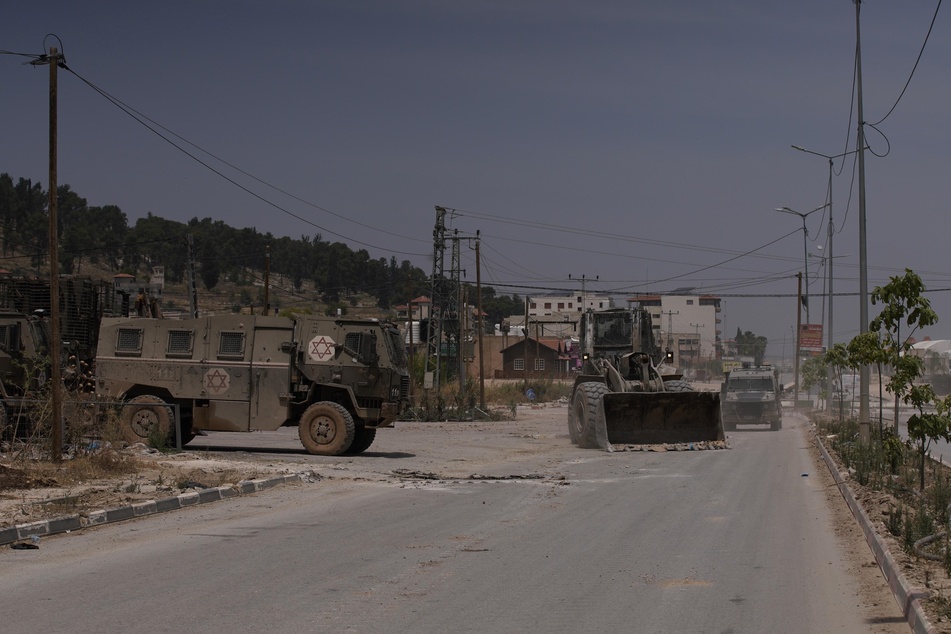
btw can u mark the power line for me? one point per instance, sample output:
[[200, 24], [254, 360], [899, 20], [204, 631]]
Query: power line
[[136, 116]]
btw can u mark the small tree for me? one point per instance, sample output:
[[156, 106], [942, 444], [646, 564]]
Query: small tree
[[868, 349], [837, 358], [924, 427], [902, 301], [814, 373]]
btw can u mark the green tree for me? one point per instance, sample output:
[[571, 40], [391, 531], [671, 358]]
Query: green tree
[[750, 345], [903, 303], [814, 373]]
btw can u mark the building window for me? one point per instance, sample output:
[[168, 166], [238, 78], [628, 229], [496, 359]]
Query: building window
[[539, 364], [570, 305], [561, 305], [689, 302], [519, 365], [547, 305], [534, 305]]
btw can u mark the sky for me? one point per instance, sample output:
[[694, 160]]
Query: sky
[[644, 146]]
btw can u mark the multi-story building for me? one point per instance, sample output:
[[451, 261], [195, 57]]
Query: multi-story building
[[567, 306], [687, 324]]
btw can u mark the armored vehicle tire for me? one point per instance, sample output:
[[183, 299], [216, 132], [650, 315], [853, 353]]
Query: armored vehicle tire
[[583, 414], [678, 385], [326, 429], [145, 418], [362, 440]]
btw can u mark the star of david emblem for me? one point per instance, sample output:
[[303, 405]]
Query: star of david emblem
[[217, 380], [321, 348]]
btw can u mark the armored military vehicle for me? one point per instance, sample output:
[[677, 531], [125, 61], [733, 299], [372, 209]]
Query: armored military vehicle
[[337, 379], [750, 396]]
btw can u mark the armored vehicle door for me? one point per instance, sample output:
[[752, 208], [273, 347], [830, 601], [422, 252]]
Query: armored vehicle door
[[270, 373]]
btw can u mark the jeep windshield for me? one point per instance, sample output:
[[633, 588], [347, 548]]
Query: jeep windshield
[[751, 385]]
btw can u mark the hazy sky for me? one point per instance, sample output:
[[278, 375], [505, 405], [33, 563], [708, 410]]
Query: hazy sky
[[643, 143]]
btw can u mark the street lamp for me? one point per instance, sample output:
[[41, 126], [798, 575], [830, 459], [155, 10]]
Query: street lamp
[[805, 251], [831, 233]]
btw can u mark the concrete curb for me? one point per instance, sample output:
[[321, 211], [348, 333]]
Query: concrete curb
[[909, 597], [72, 523]]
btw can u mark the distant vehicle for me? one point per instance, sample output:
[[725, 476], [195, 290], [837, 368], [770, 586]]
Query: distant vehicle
[[751, 396], [338, 380]]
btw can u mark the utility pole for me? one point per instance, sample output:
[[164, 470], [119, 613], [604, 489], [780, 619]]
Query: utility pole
[[864, 424], [267, 279], [481, 324], [798, 336], [192, 289], [697, 327], [584, 297], [670, 327], [55, 59]]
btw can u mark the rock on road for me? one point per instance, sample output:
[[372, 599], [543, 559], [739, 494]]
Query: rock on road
[[479, 527]]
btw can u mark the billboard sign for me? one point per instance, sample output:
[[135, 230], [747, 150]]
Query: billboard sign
[[810, 339]]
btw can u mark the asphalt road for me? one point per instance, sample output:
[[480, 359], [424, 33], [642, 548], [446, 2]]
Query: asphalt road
[[545, 538]]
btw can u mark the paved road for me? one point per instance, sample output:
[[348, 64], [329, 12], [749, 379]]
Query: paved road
[[743, 540]]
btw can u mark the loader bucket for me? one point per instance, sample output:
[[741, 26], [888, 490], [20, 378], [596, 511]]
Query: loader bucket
[[645, 418]]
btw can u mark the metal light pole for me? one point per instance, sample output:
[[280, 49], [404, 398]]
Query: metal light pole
[[831, 233], [805, 251]]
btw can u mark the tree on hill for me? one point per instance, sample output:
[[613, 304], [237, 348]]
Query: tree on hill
[[102, 235]]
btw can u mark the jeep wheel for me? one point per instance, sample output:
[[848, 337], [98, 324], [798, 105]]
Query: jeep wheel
[[362, 440], [146, 419], [326, 429]]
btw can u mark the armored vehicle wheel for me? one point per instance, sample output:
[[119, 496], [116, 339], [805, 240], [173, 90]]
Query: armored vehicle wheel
[[326, 429], [145, 418], [583, 414], [362, 440]]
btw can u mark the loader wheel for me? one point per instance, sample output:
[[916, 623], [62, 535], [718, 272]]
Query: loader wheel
[[326, 429], [678, 385], [362, 440], [583, 414], [146, 419]]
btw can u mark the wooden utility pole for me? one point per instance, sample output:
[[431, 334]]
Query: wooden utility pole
[[481, 325], [267, 279], [56, 397]]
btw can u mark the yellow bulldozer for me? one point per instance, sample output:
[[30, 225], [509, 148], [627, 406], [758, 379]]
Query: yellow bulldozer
[[622, 398]]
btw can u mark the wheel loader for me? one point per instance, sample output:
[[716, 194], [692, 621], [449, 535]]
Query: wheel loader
[[623, 398]]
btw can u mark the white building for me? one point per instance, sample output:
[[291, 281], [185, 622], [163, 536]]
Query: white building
[[567, 306], [686, 324]]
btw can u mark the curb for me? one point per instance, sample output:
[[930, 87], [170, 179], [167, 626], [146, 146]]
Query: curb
[[909, 597], [71, 523]]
